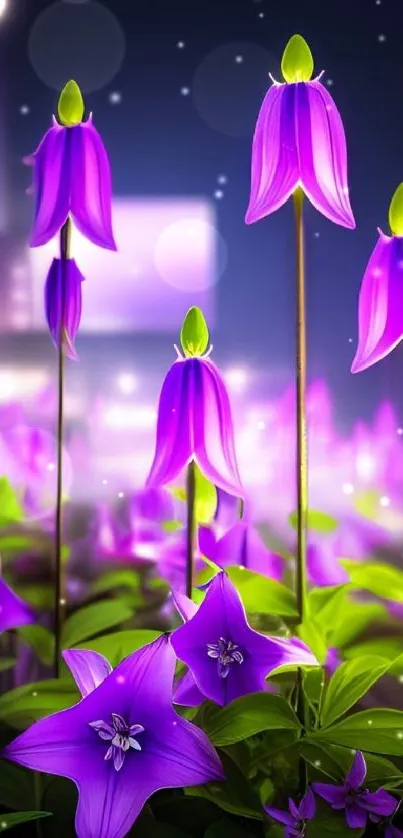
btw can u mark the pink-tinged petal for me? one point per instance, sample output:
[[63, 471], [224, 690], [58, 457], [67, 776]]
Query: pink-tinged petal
[[380, 310], [187, 693], [355, 816], [279, 815], [335, 795], [174, 445], [322, 153], [274, 171], [307, 807], [63, 303], [14, 612], [379, 802], [214, 443], [357, 772], [51, 184], [186, 607], [91, 187], [88, 668]]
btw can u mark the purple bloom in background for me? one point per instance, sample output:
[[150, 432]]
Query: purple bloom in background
[[14, 612], [333, 660], [323, 566], [63, 303], [225, 656], [357, 801], [295, 819], [112, 542], [195, 423], [122, 742], [152, 505], [72, 177], [380, 318], [299, 141], [241, 545]]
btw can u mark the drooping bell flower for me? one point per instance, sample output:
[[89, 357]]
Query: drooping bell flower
[[380, 305], [295, 820], [241, 545], [72, 176], [194, 416], [226, 658], [122, 741], [63, 303], [14, 612], [299, 141]]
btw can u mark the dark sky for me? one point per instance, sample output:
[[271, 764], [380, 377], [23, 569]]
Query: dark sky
[[162, 141]]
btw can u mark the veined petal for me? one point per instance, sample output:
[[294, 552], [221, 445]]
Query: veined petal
[[279, 815], [88, 668], [335, 795], [51, 184], [187, 693], [91, 187], [174, 445], [63, 303], [355, 816], [357, 772], [14, 612], [380, 309], [214, 443], [307, 807], [322, 153], [274, 174], [379, 802]]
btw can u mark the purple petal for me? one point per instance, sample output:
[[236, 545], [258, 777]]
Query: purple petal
[[187, 693], [91, 188], [393, 832], [323, 566], [357, 772], [88, 668], [242, 545], [51, 185], [378, 802], [355, 816], [174, 445], [63, 303], [294, 809], [279, 815], [186, 607], [322, 153], [14, 612], [275, 171], [335, 795], [307, 807], [154, 505], [380, 318], [207, 541]]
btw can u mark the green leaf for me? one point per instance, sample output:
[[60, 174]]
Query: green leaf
[[225, 828], [11, 510], [380, 579], [70, 107], [16, 787], [389, 648], [330, 824], [396, 212], [41, 640], [92, 620], [312, 634], [8, 821], [367, 504], [316, 521], [261, 594], [173, 526], [349, 683], [335, 761], [123, 578], [120, 644], [21, 707], [205, 498], [194, 333], [297, 61], [247, 716], [379, 730], [235, 796], [359, 616], [6, 663], [328, 605]]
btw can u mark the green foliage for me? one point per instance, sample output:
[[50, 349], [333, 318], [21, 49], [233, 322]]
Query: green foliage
[[379, 731], [92, 620], [390, 648], [205, 498], [11, 511], [247, 716], [261, 594], [348, 684], [6, 663], [297, 61], [16, 787], [225, 828], [24, 705], [342, 618], [194, 333], [40, 640], [380, 579], [8, 821], [317, 521], [330, 824], [172, 526], [115, 579], [120, 644], [235, 796], [313, 634], [334, 762]]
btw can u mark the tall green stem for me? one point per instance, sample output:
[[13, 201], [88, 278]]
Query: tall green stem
[[302, 447], [60, 601], [191, 531]]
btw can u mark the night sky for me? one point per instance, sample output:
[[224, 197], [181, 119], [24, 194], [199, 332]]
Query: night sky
[[179, 112]]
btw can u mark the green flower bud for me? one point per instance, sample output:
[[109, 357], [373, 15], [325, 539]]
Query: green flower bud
[[70, 107], [297, 61], [396, 212], [194, 333]]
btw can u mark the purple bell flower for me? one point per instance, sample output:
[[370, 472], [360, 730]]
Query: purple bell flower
[[295, 820], [63, 303], [357, 801], [122, 741], [225, 656], [299, 141], [72, 177], [241, 545], [14, 612], [380, 320]]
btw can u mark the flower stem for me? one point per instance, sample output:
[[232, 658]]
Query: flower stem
[[302, 447], [60, 601], [38, 801], [190, 526]]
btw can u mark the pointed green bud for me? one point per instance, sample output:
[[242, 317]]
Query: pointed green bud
[[297, 61], [205, 498], [70, 107], [194, 333], [396, 212]]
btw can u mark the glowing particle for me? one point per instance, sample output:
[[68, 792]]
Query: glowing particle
[[185, 91], [384, 501], [219, 194], [239, 59], [181, 45], [381, 39], [115, 97], [347, 489]]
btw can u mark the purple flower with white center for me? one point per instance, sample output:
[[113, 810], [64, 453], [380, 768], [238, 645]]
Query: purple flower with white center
[[63, 304], [357, 801], [72, 176], [194, 417], [380, 322], [225, 656], [121, 743], [299, 141], [241, 545], [14, 612], [295, 820]]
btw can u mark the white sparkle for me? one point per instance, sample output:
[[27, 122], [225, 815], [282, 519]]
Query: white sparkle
[[381, 39], [222, 179], [219, 194], [51, 466], [400, 734], [370, 722], [317, 235], [34, 694], [317, 763], [115, 97], [384, 501], [24, 110], [127, 383], [350, 340], [347, 489], [104, 482], [378, 2], [3, 825], [239, 59], [261, 425], [261, 14], [181, 45], [353, 751], [401, 679], [121, 495], [399, 431], [185, 91], [62, 601], [120, 679], [329, 82]]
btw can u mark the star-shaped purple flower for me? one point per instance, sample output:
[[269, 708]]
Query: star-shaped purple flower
[[356, 800], [14, 611], [225, 656], [295, 820], [122, 742]]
